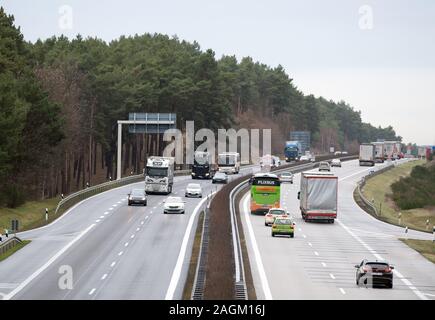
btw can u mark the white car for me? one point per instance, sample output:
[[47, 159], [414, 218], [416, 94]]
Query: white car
[[272, 214], [337, 153], [193, 190], [304, 158], [336, 163], [277, 161], [286, 177], [173, 205]]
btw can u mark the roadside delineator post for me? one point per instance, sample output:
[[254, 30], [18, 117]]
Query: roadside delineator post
[[427, 224], [46, 214], [433, 231], [406, 232], [400, 218]]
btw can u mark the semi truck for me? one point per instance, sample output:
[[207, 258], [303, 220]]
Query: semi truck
[[229, 162], [159, 175], [318, 196], [379, 151], [202, 166], [367, 154], [292, 151], [390, 150]]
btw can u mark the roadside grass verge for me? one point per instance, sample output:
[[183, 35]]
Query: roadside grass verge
[[188, 287], [13, 250], [30, 215], [425, 247], [379, 189]]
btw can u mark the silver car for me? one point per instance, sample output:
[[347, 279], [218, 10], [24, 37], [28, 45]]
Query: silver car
[[137, 196], [173, 205], [193, 190], [286, 177], [324, 166]]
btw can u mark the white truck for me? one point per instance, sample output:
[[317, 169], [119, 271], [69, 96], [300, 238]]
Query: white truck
[[318, 196], [390, 150], [159, 175], [379, 151], [229, 162], [367, 154]]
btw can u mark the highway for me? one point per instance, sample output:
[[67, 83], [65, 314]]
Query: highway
[[319, 262], [114, 251]]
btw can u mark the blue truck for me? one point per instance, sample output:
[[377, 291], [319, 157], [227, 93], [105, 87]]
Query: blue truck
[[292, 151]]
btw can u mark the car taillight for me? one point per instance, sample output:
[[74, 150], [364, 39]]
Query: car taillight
[[388, 269], [365, 269]]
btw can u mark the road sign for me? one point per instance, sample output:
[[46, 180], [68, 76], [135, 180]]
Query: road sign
[[151, 122]]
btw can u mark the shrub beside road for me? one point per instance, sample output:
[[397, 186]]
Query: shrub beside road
[[379, 189]]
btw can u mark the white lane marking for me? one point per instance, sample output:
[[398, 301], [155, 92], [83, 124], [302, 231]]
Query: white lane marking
[[395, 271], [110, 208], [132, 236], [300, 229], [101, 217], [114, 205], [106, 213], [92, 291], [181, 256], [104, 276], [98, 220], [120, 253], [146, 217], [310, 244], [126, 244], [342, 291], [112, 264], [257, 256], [23, 284], [354, 174], [332, 276], [316, 253], [142, 222], [137, 229], [119, 202], [430, 295], [324, 264], [154, 207]]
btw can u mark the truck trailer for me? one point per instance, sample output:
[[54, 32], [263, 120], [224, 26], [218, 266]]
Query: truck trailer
[[318, 196], [367, 154], [379, 151]]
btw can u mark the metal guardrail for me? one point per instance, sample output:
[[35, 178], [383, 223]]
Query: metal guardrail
[[9, 244], [78, 196], [370, 205]]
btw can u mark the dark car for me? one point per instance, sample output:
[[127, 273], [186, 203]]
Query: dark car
[[374, 273], [137, 196], [220, 177]]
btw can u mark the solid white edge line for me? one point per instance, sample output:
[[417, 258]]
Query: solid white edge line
[[181, 256], [342, 291], [257, 256], [104, 276], [395, 271], [47, 264], [92, 291]]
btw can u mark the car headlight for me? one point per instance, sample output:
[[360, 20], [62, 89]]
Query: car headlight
[[207, 174], [193, 173]]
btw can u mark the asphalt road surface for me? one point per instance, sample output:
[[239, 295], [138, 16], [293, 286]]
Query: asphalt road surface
[[319, 262], [112, 250]]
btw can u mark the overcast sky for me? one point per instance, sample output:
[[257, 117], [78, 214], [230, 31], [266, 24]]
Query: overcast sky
[[379, 56]]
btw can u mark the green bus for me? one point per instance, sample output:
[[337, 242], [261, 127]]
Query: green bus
[[265, 192]]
